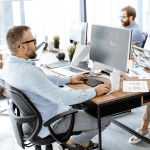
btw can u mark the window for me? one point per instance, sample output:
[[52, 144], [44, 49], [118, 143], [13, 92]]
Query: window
[[52, 17], [107, 12], [46, 18], [6, 18]]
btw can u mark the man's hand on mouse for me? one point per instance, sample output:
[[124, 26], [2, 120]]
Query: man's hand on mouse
[[74, 79], [101, 89]]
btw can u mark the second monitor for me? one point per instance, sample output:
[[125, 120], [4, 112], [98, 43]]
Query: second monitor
[[78, 32], [111, 46]]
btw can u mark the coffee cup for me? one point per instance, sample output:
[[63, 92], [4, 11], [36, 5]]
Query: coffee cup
[[50, 45], [115, 80]]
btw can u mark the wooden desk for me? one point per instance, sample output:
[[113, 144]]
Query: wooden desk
[[108, 105], [116, 102]]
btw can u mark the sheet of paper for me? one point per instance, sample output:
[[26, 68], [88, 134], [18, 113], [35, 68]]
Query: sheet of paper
[[145, 76], [135, 86], [136, 72], [129, 64]]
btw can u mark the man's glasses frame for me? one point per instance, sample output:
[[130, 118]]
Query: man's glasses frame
[[34, 40], [123, 17]]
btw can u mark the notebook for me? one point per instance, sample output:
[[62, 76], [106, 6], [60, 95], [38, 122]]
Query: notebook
[[141, 56], [79, 64], [57, 64]]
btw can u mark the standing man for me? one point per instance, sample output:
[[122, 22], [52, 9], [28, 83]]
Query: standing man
[[44, 91], [127, 16]]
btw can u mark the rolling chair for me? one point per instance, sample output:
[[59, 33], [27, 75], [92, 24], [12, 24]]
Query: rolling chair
[[145, 35], [27, 121]]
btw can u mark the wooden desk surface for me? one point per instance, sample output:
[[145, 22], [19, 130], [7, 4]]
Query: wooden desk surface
[[101, 99], [49, 57]]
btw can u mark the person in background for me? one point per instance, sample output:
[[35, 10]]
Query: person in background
[[127, 18], [144, 130]]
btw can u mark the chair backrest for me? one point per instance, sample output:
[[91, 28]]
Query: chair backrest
[[145, 35], [25, 118]]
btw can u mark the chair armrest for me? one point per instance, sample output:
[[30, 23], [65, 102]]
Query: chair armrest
[[47, 123], [22, 119], [67, 135]]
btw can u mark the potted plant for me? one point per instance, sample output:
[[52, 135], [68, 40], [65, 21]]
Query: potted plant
[[56, 41], [71, 52]]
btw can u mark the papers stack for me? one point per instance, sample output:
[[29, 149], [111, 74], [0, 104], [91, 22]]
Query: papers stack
[[135, 86]]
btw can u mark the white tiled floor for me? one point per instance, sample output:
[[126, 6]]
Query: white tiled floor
[[113, 138]]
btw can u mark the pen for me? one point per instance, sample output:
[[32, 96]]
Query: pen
[[136, 42], [109, 93]]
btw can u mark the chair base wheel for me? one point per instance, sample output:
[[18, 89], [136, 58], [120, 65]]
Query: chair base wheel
[[49, 147], [62, 147], [37, 147]]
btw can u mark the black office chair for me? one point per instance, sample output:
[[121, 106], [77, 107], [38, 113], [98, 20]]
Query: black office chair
[[145, 35], [27, 121]]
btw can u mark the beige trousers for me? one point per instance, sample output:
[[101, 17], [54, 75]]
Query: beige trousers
[[146, 116]]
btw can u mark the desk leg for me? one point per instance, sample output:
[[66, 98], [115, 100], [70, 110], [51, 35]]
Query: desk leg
[[99, 127]]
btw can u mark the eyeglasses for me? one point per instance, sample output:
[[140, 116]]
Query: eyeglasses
[[122, 17], [34, 40]]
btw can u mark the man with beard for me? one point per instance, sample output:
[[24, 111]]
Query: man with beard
[[127, 16], [44, 91]]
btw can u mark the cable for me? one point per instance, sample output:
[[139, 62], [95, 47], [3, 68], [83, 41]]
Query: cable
[[124, 78]]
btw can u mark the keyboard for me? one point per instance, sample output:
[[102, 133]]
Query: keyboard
[[91, 81], [39, 46]]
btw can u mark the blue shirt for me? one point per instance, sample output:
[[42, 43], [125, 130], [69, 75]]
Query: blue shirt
[[42, 89], [136, 34]]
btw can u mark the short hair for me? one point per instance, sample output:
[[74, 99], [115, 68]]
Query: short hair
[[15, 37], [130, 11]]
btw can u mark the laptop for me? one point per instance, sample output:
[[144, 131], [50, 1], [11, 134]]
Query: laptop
[[57, 64], [79, 64], [141, 56]]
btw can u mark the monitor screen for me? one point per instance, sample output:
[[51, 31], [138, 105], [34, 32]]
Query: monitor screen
[[78, 32], [111, 46]]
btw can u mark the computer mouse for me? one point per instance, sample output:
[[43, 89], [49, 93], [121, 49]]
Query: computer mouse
[[61, 56]]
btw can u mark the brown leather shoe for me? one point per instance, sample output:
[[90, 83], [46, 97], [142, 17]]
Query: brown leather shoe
[[91, 146]]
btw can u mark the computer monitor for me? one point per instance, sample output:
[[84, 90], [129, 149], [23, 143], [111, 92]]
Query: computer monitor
[[78, 32], [111, 46]]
